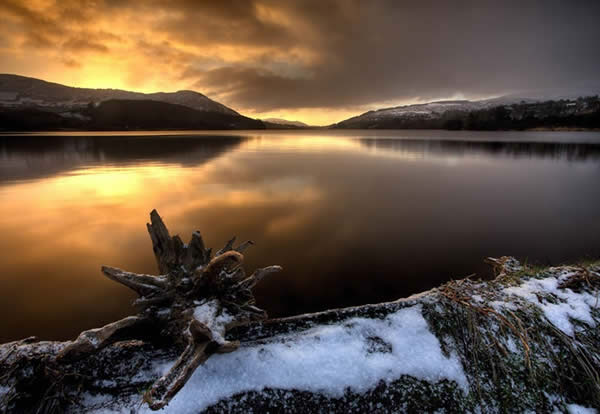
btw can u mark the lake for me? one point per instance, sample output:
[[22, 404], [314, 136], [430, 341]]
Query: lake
[[354, 217]]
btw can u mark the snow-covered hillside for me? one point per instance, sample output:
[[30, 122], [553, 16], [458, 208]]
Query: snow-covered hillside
[[19, 91], [285, 122], [505, 112], [426, 110]]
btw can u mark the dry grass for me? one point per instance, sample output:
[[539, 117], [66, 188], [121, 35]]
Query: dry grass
[[457, 292], [582, 278], [555, 361]]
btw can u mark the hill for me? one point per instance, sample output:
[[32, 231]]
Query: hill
[[492, 114], [283, 123], [20, 91], [123, 114], [33, 104]]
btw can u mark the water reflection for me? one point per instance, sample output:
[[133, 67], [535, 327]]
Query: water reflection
[[351, 220], [421, 148], [31, 156]]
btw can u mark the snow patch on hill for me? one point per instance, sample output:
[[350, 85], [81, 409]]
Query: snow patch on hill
[[19, 91]]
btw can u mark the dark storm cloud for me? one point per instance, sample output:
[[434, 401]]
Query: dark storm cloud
[[376, 51], [269, 55], [63, 25]]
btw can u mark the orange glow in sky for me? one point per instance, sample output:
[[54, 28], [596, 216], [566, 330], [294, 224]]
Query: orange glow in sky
[[316, 62]]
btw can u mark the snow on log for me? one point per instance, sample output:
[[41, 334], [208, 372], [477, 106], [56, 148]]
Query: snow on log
[[528, 340]]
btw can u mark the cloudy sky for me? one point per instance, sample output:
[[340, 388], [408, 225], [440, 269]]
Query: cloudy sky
[[317, 61]]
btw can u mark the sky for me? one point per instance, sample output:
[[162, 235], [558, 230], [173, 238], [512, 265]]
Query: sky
[[317, 61]]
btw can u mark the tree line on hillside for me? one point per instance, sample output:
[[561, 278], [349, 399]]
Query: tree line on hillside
[[120, 114], [579, 113]]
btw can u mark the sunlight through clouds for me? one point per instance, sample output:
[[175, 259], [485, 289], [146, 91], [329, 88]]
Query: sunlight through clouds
[[317, 62]]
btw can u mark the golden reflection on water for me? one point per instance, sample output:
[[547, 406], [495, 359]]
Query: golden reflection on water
[[63, 227], [352, 220]]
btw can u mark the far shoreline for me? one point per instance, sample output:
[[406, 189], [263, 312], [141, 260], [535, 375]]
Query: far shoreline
[[315, 128]]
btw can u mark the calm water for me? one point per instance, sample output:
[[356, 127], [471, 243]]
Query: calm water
[[354, 217]]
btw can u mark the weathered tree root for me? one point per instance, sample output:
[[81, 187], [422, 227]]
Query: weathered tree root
[[194, 302]]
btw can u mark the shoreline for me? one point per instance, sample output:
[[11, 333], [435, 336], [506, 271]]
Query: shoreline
[[179, 131], [464, 346]]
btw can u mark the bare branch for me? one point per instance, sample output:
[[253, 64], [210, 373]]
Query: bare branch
[[144, 302], [257, 276], [168, 385], [197, 254], [242, 247], [162, 244], [95, 339], [142, 284], [228, 247]]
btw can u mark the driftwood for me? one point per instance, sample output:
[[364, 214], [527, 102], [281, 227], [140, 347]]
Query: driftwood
[[513, 357], [194, 302]]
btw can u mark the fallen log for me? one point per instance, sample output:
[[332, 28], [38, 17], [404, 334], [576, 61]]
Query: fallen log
[[192, 304], [527, 340]]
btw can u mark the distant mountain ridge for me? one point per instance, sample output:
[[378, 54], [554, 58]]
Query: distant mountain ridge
[[506, 112], [285, 122], [33, 104], [20, 91]]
